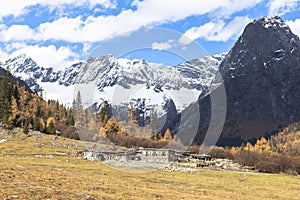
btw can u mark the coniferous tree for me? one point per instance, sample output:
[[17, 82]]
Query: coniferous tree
[[78, 110], [70, 118], [26, 126], [104, 114], [132, 113], [6, 91], [36, 124], [23, 107], [41, 92]]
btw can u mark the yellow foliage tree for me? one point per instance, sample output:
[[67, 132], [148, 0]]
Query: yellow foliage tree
[[103, 132], [42, 125], [262, 145], [234, 151], [168, 135], [249, 147], [112, 126], [50, 125], [14, 110]]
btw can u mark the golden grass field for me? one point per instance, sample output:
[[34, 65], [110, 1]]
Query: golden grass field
[[24, 175]]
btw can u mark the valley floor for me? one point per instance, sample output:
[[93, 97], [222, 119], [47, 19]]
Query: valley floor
[[45, 167]]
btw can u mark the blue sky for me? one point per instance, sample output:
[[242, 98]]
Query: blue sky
[[58, 33]]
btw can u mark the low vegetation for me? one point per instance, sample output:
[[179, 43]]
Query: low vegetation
[[279, 153], [39, 166]]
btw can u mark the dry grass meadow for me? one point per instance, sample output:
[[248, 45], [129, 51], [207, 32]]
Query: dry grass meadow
[[33, 168]]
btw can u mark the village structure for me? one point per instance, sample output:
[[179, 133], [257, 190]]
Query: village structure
[[135, 157], [143, 157], [167, 159]]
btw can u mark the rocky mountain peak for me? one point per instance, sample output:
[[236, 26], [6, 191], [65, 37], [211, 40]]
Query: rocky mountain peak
[[22, 57], [261, 75], [263, 43], [271, 22], [21, 62]]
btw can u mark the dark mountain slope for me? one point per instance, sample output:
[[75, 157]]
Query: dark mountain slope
[[261, 76]]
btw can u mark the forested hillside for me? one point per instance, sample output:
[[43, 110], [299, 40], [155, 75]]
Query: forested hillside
[[19, 107]]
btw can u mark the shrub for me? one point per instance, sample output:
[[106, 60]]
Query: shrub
[[268, 166], [248, 158], [268, 162], [68, 132], [297, 165], [220, 152]]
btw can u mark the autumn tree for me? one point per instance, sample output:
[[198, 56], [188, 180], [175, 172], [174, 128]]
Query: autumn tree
[[249, 147], [262, 145], [168, 135], [15, 112], [112, 126], [50, 126]]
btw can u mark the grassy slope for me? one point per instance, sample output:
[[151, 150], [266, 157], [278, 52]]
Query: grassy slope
[[66, 177]]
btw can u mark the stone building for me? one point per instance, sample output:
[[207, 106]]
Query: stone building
[[145, 155], [157, 155]]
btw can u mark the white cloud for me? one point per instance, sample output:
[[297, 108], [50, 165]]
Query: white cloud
[[232, 6], [216, 31], [89, 30], [294, 26], [281, 7], [162, 45], [203, 31], [49, 56], [17, 33], [67, 29], [104, 3], [149, 12], [17, 7]]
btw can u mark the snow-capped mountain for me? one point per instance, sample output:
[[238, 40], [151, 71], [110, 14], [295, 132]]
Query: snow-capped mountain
[[110, 75]]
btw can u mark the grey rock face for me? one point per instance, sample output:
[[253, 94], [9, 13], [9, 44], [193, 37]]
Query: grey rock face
[[262, 73], [262, 77]]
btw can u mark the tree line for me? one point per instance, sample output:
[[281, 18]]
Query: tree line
[[19, 107], [279, 153], [98, 125]]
